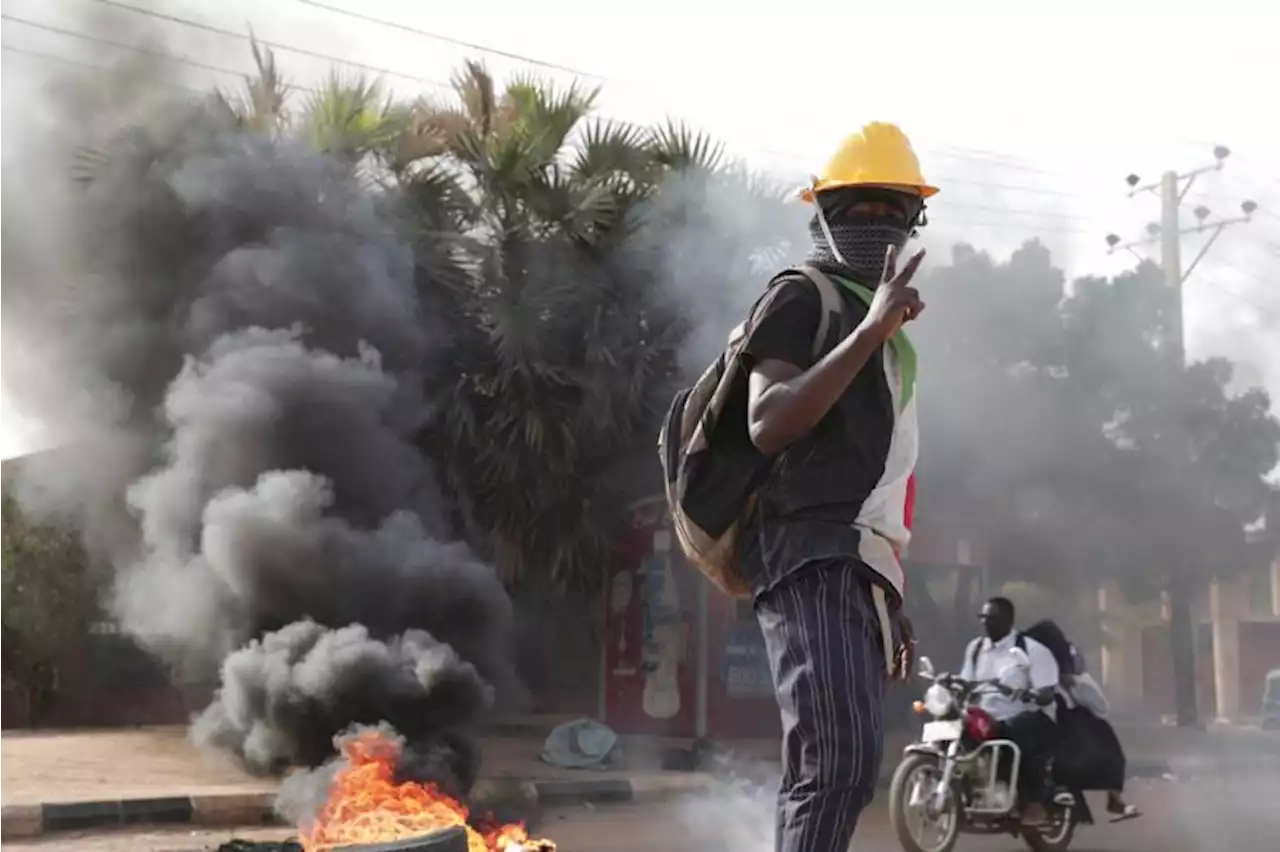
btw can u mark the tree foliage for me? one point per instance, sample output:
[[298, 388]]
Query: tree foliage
[[50, 600], [547, 247], [1065, 417], [578, 268]]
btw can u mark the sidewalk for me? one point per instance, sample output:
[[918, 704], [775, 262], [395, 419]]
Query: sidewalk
[[59, 781], [53, 781]]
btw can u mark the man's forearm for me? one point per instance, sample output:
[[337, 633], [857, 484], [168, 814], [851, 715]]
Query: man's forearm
[[789, 410]]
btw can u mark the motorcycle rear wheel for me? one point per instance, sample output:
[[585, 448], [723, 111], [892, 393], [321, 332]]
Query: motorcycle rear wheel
[[900, 790], [1056, 839]]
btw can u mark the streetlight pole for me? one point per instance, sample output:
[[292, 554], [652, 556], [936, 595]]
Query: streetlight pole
[[1172, 188]]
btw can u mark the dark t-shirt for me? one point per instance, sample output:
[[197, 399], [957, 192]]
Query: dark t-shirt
[[817, 487]]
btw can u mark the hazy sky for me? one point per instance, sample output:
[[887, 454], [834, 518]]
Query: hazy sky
[[1029, 122]]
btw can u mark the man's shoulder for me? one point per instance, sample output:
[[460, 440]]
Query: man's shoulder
[[790, 294], [793, 284]]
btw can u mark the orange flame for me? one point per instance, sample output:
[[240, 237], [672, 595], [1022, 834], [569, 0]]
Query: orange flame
[[366, 805]]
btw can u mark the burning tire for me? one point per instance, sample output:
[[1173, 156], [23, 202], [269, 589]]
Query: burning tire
[[452, 839]]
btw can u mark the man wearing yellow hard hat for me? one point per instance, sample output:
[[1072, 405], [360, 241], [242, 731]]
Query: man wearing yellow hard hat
[[833, 402]]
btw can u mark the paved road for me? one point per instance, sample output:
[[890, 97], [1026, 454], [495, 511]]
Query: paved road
[[1181, 816]]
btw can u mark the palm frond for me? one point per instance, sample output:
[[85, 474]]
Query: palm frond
[[430, 130], [351, 116], [610, 148], [261, 106], [475, 89], [544, 115], [677, 146]]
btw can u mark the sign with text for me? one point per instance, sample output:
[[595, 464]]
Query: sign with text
[[746, 664]]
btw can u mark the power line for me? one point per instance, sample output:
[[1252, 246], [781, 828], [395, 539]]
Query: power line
[[1233, 265], [317, 54], [1048, 214], [301, 51], [1266, 244], [1265, 310], [1035, 190], [958, 222], [49, 57], [120, 45], [205, 66], [350, 13], [80, 65], [1014, 226], [994, 158], [997, 159]]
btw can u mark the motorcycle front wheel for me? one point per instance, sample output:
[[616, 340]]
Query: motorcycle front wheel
[[918, 830]]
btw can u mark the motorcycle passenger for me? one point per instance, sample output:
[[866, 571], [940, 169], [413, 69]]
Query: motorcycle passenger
[[1029, 724], [1080, 689]]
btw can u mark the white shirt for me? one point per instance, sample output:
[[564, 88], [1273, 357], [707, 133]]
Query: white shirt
[[996, 660]]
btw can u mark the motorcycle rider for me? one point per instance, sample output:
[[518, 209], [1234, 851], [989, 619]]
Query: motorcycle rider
[[1028, 723]]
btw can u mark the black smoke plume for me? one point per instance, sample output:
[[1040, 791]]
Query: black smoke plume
[[227, 330]]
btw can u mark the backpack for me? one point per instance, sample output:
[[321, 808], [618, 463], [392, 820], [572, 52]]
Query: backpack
[[711, 469], [1050, 635], [1019, 641]]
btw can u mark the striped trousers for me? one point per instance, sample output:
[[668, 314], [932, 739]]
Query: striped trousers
[[826, 656]]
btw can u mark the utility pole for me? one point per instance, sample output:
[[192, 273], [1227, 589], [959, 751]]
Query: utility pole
[[1172, 188]]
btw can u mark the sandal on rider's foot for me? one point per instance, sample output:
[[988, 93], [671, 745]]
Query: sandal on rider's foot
[[1124, 813]]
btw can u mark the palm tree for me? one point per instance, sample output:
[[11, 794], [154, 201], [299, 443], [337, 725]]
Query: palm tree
[[562, 365], [542, 238]]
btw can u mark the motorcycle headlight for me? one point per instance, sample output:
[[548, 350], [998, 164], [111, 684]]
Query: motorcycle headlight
[[937, 700]]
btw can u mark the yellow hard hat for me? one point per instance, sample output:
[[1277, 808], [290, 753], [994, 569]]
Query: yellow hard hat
[[878, 155]]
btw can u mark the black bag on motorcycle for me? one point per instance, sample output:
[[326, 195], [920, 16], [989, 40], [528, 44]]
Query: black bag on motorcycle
[[1088, 754]]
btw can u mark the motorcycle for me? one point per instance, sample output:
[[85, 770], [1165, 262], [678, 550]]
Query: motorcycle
[[949, 779]]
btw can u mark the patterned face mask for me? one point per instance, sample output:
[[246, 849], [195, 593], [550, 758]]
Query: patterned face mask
[[860, 242]]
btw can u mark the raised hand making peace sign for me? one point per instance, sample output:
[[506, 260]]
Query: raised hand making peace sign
[[895, 301]]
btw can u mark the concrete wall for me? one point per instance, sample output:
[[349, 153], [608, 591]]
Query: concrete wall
[[1237, 643]]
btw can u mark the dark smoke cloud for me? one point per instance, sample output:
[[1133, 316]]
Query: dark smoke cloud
[[229, 330], [302, 683]]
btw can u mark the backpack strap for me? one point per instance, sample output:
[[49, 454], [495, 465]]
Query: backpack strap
[[1019, 641], [828, 296], [831, 304]]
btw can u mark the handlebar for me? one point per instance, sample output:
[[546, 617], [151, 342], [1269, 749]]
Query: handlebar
[[967, 688]]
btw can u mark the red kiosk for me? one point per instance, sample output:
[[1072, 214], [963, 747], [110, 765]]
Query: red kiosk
[[681, 659]]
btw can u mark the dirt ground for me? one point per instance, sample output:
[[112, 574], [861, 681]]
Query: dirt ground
[[72, 766], [120, 764]]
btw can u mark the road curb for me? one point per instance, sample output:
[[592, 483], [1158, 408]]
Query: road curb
[[509, 799]]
